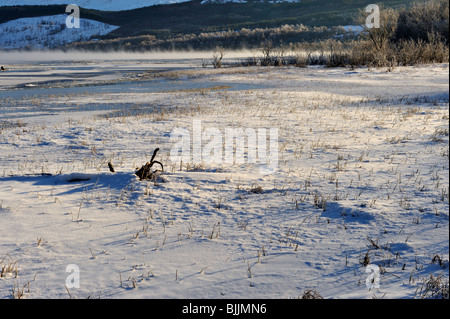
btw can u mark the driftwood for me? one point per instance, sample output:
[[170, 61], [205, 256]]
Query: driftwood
[[145, 171]]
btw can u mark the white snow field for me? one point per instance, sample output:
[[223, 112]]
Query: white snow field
[[360, 191]]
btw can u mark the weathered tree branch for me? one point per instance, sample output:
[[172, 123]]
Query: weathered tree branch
[[145, 171]]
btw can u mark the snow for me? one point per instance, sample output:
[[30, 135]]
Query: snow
[[362, 169], [48, 32], [104, 5], [356, 29]]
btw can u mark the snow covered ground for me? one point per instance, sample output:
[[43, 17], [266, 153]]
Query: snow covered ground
[[362, 181], [48, 32]]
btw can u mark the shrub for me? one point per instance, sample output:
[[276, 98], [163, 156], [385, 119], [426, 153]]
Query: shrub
[[423, 18]]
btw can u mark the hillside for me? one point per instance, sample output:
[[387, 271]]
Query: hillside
[[195, 17], [47, 32]]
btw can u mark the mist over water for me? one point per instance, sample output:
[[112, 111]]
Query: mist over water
[[38, 74], [45, 56]]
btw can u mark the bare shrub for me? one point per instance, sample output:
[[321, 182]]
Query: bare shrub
[[433, 287], [218, 54], [380, 37], [410, 52], [423, 18], [267, 50], [310, 294]]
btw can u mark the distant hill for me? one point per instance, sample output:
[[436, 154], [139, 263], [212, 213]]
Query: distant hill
[[103, 5], [47, 32]]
